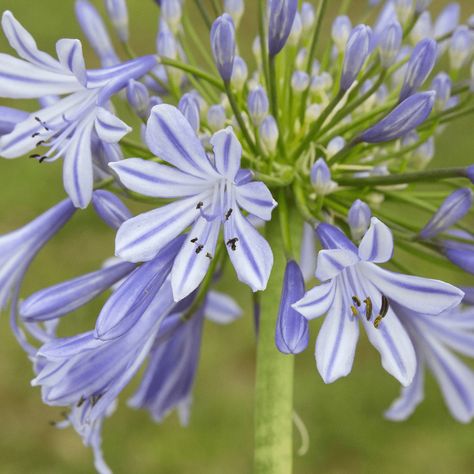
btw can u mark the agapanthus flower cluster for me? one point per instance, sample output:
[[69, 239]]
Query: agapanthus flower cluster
[[331, 138]]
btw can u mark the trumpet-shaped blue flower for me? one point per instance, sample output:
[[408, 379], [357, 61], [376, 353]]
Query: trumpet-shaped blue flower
[[18, 248], [435, 338], [68, 126], [211, 193], [353, 288]]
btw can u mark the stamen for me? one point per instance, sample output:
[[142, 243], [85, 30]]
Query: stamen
[[368, 308], [209, 256], [199, 248], [356, 301], [80, 402], [355, 311], [232, 243], [35, 155], [42, 158], [95, 398], [383, 312], [199, 205], [193, 241], [41, 142], [36, 134], [43, 124], [228, 214]]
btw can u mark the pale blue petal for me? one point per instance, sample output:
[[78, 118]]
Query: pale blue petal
[[332, 262], [377, 243], [221, 308], [227, 153], [71, 58], [109, 127], [317, 301], [256, 199]]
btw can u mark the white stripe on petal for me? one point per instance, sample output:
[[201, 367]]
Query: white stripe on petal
[[249, 252], [194, 258], [77, 168], [156, 180], [256, 199], [227, 152], [317, 301], [170, 136], [377, 243], [337, 340], [139, 239], [109, 127], [71, 57], [423, 295]]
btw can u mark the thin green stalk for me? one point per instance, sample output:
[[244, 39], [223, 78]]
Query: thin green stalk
[[274, 381], [203, 13], [403, 178]]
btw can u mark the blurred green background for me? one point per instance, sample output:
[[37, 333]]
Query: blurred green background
[[347, 431]]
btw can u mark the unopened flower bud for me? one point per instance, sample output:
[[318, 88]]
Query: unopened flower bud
[[300, 60], [235, 8], [312, 113], [139, 98], [321, 178], [281, 15], [423, 28], [356, 53], [340, 31], [189, 107], [239, 74], [423, 154], [118, 14], [321, 83], [171, 13], [401, 120], [258, 105], [447, 21], [470, 173], [419, 66], [296, 30], [421, 5], [216, 117], [292, 333], [390, 43], [257, 49], [335, 145], [453, 209], [299, 81], [460, 47], [359, 219], [441, 84], [269, 134], [307, 16], [404, 9], [223, 45]]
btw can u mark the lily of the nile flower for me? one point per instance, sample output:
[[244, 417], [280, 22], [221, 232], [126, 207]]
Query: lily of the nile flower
[[210, 192], [435, 338], [18, 248], [68, 126], [169, 378], [353, 288]]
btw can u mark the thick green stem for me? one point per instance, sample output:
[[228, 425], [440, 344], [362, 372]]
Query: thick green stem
[[274, 384]]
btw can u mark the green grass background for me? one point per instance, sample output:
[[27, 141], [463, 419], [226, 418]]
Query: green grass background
[[347, 431]]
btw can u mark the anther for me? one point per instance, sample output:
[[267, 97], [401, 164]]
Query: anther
[[42, 158], [356, 301], [36, 134], [199, 205], [368, 308], [383, 311], [209, 256], [35, 155], [80, 402], [193, 241], [228, 214], [232, 243], [41, 142], [199, 248], [95, 398]]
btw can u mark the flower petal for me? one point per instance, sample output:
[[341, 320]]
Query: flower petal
[[194, 258], [410, 397], [332, 262], [422, 295], [77, 168], [170, 136], [227, 153], [71, 57], [336, 342], [109, 127], [249, 252], [317, 301], [139, 239], [256, 199], [155, 180], [221, 308], [377, 243]]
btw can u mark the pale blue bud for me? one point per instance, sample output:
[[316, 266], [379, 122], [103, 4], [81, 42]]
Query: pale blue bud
[[447, 20], [420, 65], [423, 154], [300, 60], [269, 134], [171, 12], [422, 5], [441, 84], [223, 45], [423, 28], [296, 30], [404, 9], [258, 105], [216, 117], [453, 209], [321, 178], [235, 8], [110, 208], [281, 16], [390, 44], [359, 219], [299, 81], [239, 74], [404, 118], [118, 14], [335, 145], [307, 16], [139, 98], [340, 31], [189, 107], [356, 53], [460, 47]]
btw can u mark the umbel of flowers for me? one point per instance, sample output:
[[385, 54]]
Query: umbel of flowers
[[300, 159]]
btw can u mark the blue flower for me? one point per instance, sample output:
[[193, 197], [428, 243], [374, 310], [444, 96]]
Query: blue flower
[[210, 194], [69, 125], [281, 14], [354, 288], [435, 338]]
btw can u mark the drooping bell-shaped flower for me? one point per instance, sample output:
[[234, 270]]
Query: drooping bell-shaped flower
[[355, 289], [291, 332], [18, 248]]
